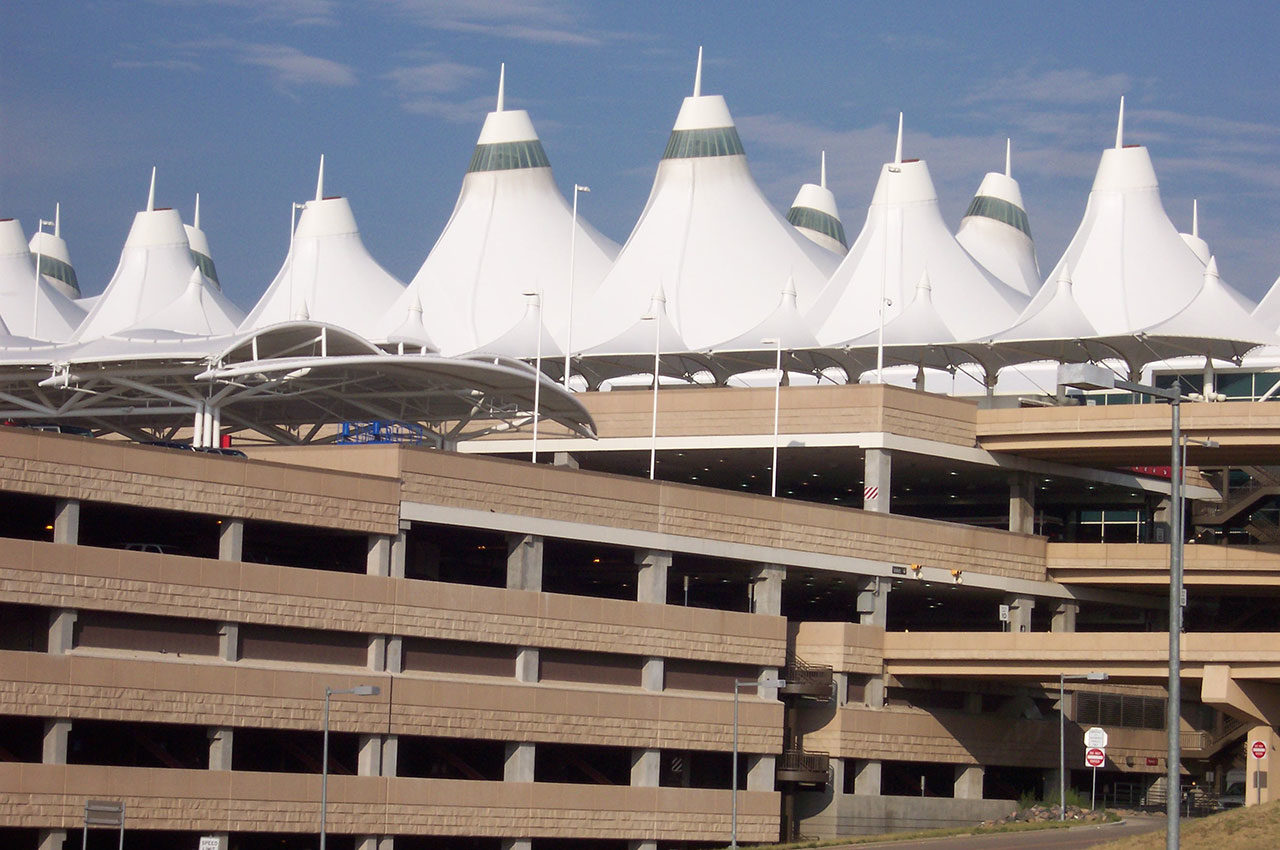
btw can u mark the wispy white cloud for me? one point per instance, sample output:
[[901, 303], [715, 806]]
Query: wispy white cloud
[[1060, 86], [288, 67], [433, 77], [537, 21], [162, 64], [453, 111], [294, 12]]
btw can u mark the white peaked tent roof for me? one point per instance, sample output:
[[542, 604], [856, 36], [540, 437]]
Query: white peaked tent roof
[[1058, 317], [903, 235], [199, 243], [710, 236], [997, 233], [30, 308], [328, 274], [412, 331], [1193, 239], [919, 323], [1129, 267], [521, 339], [201, 310], [154, 270], [1268, 309], [816, 216], [1217, 323], [785, 324], [511, 231], [54, 247]]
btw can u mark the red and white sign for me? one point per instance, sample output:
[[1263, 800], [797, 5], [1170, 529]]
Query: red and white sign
[[870, 494], [1258, 749], [1095, 757]]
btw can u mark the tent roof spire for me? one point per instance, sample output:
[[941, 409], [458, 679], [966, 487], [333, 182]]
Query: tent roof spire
[[897, 151], [1120, 125], [1008, 157], [502, 86], [822, 171], [697, 75], [151, 193], [195, 219], [1195, 217], [320, 181], [57, 219]]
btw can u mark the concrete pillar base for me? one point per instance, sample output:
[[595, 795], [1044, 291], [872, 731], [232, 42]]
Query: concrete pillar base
[[645, 767], [866, 777], [968, 785], [52, 839], [518, 766], [221, 744], [876, 478], [231, 540]]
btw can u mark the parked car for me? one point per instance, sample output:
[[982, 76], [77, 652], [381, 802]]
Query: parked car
[[1233, 797], [170, 444], [220, 450]]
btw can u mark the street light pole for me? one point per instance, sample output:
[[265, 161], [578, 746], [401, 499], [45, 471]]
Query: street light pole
[[360, 691], [777, 398], [1092, 376], [738, 684], [537, 375], [1062, 734], [573, 255]]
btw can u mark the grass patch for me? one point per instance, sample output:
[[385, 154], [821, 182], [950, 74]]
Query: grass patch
[[1254, 828]]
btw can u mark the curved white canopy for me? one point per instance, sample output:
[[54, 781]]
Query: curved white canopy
[[30, 308], [903, 235], [201, 310], [1129, 267], [996, 232], [55, 258], [511, 231], [200, 252], [815, 215], [328, 275], [709, 237]]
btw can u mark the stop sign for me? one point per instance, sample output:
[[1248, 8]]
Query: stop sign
[[1095, 757], [1259, 749]]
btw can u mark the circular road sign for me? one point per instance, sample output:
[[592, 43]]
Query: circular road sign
[[1095, 736], [1095, 757], [1258, 749]]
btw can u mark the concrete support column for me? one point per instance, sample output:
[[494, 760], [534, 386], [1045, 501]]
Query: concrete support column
[[517, 844], [62, 631], [1022, 503], [394, 661], [55, 741], [390, 755], [1020, 608], [651, 575], [1064, 617], [766, 589], [221, 742], [52, 839], [653, 676], [968, 784], [369, 760], [376, 842], [762, 770], [229, 641], [231, 540], [866, 777], [526, 664], [564, 459], [872, 604], [376, 653], [524, 562], [518, 765], [378, 555], [645, 767], [398, 550], [973, 703], [842, 688], [66, 521], [642, 845], [878, 467]]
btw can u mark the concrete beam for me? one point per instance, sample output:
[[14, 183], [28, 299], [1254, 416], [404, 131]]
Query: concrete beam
[[1244, 699]]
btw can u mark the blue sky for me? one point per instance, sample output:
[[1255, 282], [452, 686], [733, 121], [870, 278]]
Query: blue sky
[[237, 99]]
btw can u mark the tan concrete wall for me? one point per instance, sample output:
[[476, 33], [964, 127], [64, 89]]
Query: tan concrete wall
[[81, 686], [851, 408], [1139, 564], [847, 647], [872, 815], [515, 487], [52, 796], [148, 477], [66, 576]]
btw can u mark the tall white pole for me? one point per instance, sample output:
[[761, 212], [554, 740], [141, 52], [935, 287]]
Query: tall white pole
[[537, 381], [324, 769], [573, 255], [1173, 759], [777, 399], [1062, 746], [35, 296], [733, 821], [653, 435]]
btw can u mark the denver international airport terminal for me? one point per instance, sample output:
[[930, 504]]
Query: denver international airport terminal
[[741, 529]]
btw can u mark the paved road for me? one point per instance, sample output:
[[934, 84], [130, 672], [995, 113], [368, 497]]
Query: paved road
[[1076, 838]]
